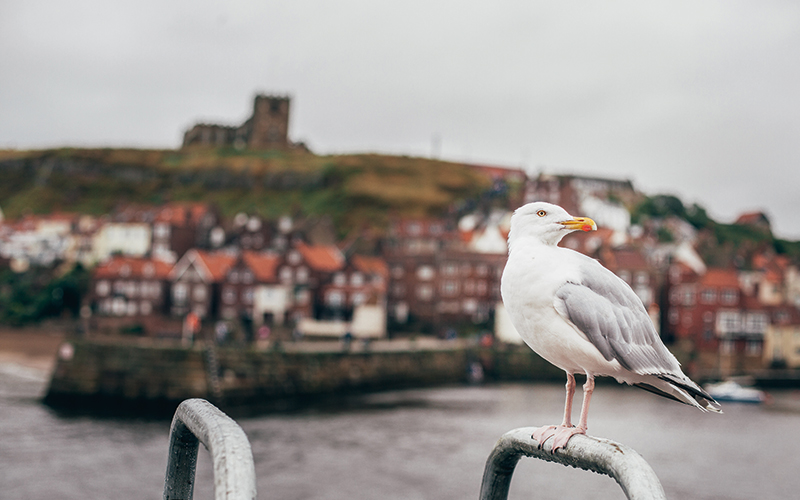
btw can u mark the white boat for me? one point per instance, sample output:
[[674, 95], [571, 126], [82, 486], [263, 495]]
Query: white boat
[[730, 390]]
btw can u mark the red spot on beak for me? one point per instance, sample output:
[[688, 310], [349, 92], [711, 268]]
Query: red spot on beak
[[586, 227]]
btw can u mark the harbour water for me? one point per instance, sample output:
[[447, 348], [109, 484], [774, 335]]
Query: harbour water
[[416, 444]]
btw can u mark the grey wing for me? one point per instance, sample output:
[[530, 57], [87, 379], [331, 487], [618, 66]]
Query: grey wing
[[614, 319]]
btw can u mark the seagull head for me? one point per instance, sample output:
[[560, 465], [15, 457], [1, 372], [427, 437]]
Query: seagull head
[[546, 223]]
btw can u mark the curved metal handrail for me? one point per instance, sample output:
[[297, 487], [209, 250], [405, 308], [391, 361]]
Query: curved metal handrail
[[198, 421], [628, 468]]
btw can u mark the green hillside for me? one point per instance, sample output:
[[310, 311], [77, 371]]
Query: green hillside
[[357, 191]]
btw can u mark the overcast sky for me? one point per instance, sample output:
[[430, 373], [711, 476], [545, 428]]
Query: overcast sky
[[697, 99]]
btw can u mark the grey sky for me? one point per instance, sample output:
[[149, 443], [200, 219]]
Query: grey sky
[[698, 99]]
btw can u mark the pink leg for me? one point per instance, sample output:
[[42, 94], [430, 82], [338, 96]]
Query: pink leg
[[563, 434], [542, 434]]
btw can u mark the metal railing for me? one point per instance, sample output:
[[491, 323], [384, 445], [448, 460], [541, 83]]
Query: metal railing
[[628, 468], [198, 421]]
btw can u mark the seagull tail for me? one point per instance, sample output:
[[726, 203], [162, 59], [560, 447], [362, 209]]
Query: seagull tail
[[682, 390]]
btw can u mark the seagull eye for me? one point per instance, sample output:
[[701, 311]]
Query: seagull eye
[[541, 213]]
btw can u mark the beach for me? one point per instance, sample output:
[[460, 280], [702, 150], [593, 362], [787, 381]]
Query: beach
[[32, 348]]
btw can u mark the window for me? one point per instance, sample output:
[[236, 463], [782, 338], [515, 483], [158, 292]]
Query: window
[[180, 292], [146, 308], [425, 292], [449, 288], [482, 270], [753, 348], [148, 270], [118, 306], [729, 296], [293, 258], [425, 273], [335, 298], [625, 276], [674, 317], [781, 317], [302, 297], [728, 321], [756, 323], [397, 272], [102, 288], [302, 274], [708, 296], [233, 277], [229, 295], [469, 306], [398, 290], [687, 296], [161, 230], [642, 278], [357, 279], [286, 274], [726, 347], [449, 269], [247, 295], [339, 279], [247, 277]]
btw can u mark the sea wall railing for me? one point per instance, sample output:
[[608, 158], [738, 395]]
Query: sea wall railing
[[628, 468], [198, 421]]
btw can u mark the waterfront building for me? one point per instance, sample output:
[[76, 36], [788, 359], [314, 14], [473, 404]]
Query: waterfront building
[[196, 281], [129, 292]]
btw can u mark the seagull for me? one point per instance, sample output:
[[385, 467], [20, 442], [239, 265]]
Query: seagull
[[582, 318]]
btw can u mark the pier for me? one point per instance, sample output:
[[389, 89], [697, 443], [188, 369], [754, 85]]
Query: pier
[[145, 376]]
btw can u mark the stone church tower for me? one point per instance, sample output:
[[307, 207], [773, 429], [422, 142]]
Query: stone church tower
[[267, 128]]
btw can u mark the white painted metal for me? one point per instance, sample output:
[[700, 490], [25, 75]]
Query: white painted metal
[[628, 468], [198, 421]]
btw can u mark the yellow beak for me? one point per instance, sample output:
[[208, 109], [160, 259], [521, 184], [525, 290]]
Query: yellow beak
[[582, 223]]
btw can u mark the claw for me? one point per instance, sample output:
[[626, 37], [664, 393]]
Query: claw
[[559, 433], [542, 434]]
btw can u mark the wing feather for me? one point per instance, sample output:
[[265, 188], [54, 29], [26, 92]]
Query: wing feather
[[614, 320]]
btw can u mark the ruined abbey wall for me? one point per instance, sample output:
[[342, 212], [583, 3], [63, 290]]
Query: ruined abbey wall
[[267, 128]]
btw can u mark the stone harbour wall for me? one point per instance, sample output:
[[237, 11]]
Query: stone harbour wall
[[129, 377]]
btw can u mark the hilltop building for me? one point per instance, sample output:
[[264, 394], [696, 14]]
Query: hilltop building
[[267, 128], [604, 200]]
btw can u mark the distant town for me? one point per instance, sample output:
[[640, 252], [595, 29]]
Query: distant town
[[180, 268]]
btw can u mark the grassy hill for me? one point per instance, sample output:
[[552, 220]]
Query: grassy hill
[[356, 191]]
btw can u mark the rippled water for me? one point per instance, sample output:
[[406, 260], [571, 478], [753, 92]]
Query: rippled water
[[421, 444]]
